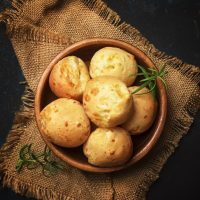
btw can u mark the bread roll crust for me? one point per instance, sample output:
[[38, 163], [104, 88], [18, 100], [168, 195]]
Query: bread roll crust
[[65, 123], [108, 147], [112, 61], [107, 101], [69, 77], [143, 111]]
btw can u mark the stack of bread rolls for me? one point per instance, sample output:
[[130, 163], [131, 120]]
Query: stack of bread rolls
[[98, 96]]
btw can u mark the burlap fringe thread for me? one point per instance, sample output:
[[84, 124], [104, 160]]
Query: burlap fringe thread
[[27, 32], [38, 34], [21, 119], [26, 113]]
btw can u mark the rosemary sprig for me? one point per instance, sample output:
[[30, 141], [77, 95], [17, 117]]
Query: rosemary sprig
[[150, 75], [28, 158]]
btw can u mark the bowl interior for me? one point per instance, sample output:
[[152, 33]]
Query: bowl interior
[[142, 143]]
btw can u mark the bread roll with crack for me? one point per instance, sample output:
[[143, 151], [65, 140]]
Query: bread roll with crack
[[107, 147], [68, 78], [112, 61], [107, 101], [143, 112], [65, 123]]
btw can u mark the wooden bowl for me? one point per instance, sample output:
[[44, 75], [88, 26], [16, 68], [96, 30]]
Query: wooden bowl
[[142, 144]]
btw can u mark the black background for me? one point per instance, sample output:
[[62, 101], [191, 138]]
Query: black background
[[173, 26]]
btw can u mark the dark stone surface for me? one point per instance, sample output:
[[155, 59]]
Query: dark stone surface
[[173, 26]]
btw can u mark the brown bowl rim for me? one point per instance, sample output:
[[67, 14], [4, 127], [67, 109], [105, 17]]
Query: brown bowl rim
[[162, 110]]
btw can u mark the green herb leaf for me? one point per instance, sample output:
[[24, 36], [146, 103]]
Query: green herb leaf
[[150, 77], [31, 160], [139, 88], [164, 82], [143, 71], [23, 151], [19, 165]]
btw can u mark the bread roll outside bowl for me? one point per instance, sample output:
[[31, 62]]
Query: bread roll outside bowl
[[65, 123], [107, 101]]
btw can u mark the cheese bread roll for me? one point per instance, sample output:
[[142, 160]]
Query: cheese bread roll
[[68, 78], [65, 123], [107, 147], [112, 61], [107, 101], [143, 112]]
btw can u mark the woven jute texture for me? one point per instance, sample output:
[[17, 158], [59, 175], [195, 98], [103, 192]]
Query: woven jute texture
[[39, 30]]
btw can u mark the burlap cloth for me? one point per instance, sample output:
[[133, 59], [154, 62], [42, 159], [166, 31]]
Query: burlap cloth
[[39, 30]]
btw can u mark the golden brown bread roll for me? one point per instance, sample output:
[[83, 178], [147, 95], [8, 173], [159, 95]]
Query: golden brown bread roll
[[108, 147], [107, 101], [112, 61], [68, 78], [65, 123], [143, 112]]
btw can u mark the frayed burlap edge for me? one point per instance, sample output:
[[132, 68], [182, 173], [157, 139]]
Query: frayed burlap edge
[[27, 32], [18, 127], [180, 126], [21, 120]]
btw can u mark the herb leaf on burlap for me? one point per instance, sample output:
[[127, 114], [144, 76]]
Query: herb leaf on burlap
[[29, 159]]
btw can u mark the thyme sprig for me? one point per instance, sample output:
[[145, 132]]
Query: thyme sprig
[[150, 76], [28, 158]]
